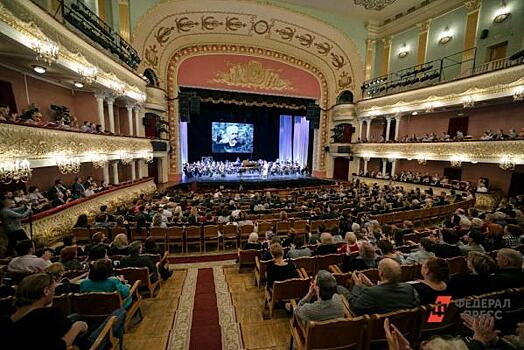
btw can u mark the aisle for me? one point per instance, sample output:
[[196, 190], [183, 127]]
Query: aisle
[[205, 326]]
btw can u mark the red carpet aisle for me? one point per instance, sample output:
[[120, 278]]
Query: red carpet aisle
[[205, 327]]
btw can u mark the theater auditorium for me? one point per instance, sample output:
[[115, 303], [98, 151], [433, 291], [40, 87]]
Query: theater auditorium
[[261, 174]]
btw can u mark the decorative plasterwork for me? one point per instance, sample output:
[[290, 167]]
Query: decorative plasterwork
[[19, 141], [472, 4], [252, 75], [343, 112], [376, 5], [476, 151], [55, 226], [480, 87], [31, 24], [186, 52]]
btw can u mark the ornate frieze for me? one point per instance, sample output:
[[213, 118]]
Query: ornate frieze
[[469, 151], [54, 226], [19, 141], [343, 112]]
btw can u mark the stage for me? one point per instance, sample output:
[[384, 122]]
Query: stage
[[252, 181]]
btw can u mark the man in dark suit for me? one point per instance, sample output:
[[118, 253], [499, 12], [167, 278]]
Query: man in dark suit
[[134, 259], [56, 189], [78, 188], [390, 295], [509, 274]]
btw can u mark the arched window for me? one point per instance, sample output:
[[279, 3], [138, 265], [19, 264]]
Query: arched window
[[345, 97], [151, 77]]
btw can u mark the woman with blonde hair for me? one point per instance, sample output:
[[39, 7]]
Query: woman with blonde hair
[[119, 246], [157, 221], [252, 242], [351, 244]]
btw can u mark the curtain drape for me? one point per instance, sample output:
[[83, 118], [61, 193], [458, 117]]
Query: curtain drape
[[301, 140], [183, 142], [285, 150]]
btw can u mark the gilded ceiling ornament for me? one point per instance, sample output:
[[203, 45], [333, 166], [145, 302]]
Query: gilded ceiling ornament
[[323, 48], [151, 55], [184, 24], [345, 80], [210, 22], [337, 60], [253, 75], [162, 34], [261, 27], [233, 24], [286, 33], [305, 40], [472, 4], [376, 5]]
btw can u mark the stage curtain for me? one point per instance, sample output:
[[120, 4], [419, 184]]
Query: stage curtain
[[301, 140], [183, 142], [285, 150]]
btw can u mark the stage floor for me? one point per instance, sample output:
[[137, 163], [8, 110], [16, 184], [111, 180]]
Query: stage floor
[[252, 181]]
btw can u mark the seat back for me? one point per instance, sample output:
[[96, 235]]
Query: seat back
[[293, 288], [245, 230], [118, 230], [300, 226], [138, 233], [410, 272], [372, 274], [341, 333], [247, 257], [96, 305], [447, 325], [282, 227], [82, 234], [330, 224], [158, 233], [324, 261], [15, 277], [193, 232], [133, 274], [264, 226], [262, 269], [154, 257], [175, 233], [407, 321], [457, 264], [308, 263], [7, 306], [211, 232], [63, 302], [229, 230], [315, 224]]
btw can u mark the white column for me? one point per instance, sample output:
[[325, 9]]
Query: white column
[[368, 129], [106, 174], [115, 173], [384, 164], [316, 141], [366, 160], [137, 121], [360, 126], [140, 168], [357, 160], [397, 126], [393, 166], [388, 127], [100, 102], [110, 100], [133, 170], [130, 119]]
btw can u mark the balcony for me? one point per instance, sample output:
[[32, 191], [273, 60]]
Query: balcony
[[41, 146], [509, 151]]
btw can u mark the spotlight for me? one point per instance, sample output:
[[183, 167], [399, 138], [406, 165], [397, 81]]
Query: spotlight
[[79, 84], [414, 113], [39, 69]]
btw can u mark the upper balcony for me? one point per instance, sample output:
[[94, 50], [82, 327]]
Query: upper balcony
[[449, 81]]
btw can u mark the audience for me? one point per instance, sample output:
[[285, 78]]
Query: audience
[[475, 282], [327, 245], [298, 249], [435, 273], [27, 261], [280, 269], [509, 273], [134, 259]]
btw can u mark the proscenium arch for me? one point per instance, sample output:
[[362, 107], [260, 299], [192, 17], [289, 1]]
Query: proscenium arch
[[171, 27]]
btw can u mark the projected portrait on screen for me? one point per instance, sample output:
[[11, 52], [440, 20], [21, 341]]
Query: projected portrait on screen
[[232, 137]]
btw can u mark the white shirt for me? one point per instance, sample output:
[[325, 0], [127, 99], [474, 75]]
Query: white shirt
[[28, 263]]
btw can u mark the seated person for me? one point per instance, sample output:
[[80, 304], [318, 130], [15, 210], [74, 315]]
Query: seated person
[[82, 221], [252, 242], [100, 280], [119, 246], [351, 244], [365, 260], [298, 249], [36, 325], [509, 274], [321, 303], [68, 259], [5, 290], [69, 241], [279, 270], [477, 282], [134, 259], [474, 242], [420, 255], [389, 295], [327, 245], [435, 273], [512, 234], [448, 247], [151, 247], [26, 261], [62, 285], [388, 251]]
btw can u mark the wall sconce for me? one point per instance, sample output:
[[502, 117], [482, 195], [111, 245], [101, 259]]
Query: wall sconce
[[502, 13], [403, 51], [468, 102], [518, 94], [507, 163], [456, 162], [445, 37]]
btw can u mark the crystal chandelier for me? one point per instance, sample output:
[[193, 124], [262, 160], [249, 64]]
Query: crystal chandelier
[[46, 51], [68, 165], [126, 158], [507, 163], [15, 170], [374, 4], [99, 160]]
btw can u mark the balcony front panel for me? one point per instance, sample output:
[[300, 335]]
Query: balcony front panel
[[468, 151]]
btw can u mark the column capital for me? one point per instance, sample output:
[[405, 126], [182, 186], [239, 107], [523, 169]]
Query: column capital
[[397, 116], [110, 99], [370, 42], [388, 118], [386, 41], [130, 106], [424, 26], [99, 95], [472, 5]]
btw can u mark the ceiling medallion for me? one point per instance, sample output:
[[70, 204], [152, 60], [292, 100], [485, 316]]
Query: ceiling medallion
[[374, 4]]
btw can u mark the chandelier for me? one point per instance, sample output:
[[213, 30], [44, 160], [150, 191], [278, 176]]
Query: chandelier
[[456, 163], [374, 4], [507, 163], [15, 170], [68, 165], [99, 160], [46, 51], [126, 158]]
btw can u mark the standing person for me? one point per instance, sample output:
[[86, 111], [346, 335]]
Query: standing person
[[11, 223]]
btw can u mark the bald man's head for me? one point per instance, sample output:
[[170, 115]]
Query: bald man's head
[[389, 270]]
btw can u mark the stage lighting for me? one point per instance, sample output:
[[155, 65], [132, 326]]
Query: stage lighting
[[39, 69], [79, 84]]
